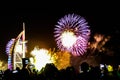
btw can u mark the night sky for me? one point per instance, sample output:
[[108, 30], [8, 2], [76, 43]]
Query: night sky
[[41, 18]]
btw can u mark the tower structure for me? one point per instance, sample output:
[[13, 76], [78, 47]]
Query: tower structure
[[19, 49]]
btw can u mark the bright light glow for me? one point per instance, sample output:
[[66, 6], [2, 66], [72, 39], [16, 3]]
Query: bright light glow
[[110, 68], [41, 57], [18, 48], [31, 60], [68, 39]]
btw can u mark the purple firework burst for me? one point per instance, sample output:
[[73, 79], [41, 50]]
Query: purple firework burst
[[79, 27]]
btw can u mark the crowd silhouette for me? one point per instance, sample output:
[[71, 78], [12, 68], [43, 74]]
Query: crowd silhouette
[[50, 72]]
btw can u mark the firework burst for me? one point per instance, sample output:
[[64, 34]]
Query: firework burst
[[72, 34]]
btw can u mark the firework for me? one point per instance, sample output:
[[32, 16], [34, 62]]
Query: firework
[[72, 34], [99, 43], [41, 57], [61, 60]]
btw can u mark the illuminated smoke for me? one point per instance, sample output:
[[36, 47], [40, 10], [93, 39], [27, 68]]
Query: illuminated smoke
[[99, 43], [62, 60], [3, 65]]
